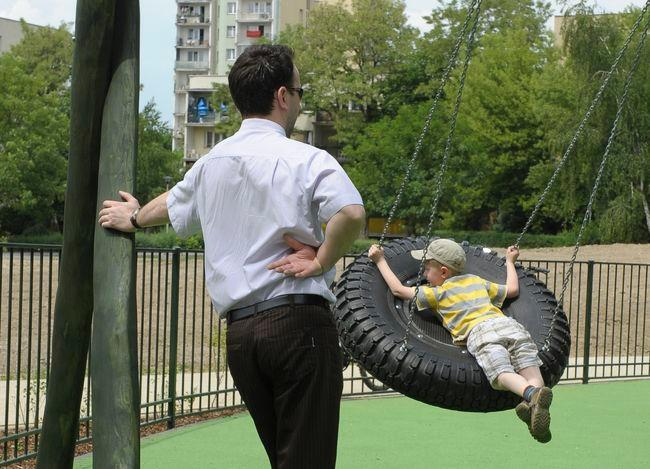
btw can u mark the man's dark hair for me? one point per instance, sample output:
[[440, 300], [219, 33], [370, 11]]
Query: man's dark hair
[[257, 74]]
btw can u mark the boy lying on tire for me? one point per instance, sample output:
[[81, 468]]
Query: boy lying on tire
[[469, 307]]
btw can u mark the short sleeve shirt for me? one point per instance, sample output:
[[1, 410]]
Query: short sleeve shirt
[[462, 302], [244, 195]]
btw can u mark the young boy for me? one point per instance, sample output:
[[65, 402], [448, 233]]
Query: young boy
[[469, 307]]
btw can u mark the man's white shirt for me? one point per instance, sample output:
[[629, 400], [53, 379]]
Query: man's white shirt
[[245, 194]]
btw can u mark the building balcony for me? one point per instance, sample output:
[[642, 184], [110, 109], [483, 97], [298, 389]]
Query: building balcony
[[250, 37], [192, 2], [191, 65], [191, 20], [254, 17], [190, 43], [205, 117]]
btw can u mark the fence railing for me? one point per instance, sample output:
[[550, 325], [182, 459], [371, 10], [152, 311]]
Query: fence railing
[[181, 341]]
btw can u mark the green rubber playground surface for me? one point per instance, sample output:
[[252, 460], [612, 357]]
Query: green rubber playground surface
[[595, 426]]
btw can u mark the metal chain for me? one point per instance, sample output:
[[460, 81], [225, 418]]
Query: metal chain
[[427, 123], [601, 169], [582, 125], [443, 168]]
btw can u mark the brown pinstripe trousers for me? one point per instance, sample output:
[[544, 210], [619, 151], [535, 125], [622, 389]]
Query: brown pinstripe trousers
[[286, 364]]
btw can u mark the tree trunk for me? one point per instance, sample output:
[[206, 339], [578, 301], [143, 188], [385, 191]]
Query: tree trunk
[[74, 299], [646, 209], [114, 358]]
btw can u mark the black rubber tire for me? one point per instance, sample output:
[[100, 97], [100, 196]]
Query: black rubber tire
[[372, 323]]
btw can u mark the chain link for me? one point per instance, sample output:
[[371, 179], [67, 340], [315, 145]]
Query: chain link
[[601, 169], [427, 123], [581, 127], [443, 169]]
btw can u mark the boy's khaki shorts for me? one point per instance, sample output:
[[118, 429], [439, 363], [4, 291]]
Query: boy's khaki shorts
[[502, 345]]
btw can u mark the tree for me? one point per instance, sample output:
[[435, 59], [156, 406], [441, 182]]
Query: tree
[[156, 160], [591, 45], [34, 128], [497, 139], [347, 57]]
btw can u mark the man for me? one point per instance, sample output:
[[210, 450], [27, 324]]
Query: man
[[252, 195]]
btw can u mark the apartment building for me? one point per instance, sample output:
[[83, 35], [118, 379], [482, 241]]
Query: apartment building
[[11, 32], [210, 35]]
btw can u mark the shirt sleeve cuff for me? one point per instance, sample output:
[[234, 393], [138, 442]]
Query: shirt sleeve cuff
[[335, 204]]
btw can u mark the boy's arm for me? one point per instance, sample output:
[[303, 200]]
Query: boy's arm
[[512, 280], [396, 287]]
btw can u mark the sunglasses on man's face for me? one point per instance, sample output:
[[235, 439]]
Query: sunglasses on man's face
[[300, 91]]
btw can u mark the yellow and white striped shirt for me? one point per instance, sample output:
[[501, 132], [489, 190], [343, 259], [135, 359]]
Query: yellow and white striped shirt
[[462, 302]]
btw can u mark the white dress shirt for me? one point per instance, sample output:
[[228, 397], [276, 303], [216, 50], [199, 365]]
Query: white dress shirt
[[245, 194]]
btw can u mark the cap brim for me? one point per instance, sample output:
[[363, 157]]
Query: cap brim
[[418, 254]]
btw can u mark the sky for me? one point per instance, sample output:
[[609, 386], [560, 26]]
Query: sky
[[158, 35]]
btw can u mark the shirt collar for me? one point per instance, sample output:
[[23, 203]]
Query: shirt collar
[[257, 124]]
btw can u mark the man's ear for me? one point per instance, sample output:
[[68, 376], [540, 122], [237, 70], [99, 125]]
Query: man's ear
[[281, 96]]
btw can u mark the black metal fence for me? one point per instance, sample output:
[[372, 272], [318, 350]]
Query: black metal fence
[[183, 368]]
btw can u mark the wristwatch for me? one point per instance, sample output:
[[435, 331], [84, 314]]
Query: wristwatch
[[134, 219]]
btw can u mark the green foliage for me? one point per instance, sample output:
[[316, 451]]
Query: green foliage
[[350, 57], [34, 129], [493, 239], [623, 221], [158, 167], [570, 86], [54, 238], [167, 239], [497, 139]]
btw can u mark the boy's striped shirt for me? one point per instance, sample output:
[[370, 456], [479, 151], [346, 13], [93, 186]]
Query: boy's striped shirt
[[462, 302]]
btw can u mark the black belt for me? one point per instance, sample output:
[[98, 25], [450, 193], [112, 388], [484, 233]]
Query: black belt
[[277, 302]]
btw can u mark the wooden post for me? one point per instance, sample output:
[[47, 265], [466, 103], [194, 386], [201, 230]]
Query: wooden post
[[74, 299], [114, 357]]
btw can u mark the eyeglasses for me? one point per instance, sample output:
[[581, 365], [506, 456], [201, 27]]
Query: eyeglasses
[[300, 91]]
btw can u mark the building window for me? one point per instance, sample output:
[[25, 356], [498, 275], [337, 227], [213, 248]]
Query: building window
[[230, 54], [209, 140], [232, 8], [194, 56], [230, 31]]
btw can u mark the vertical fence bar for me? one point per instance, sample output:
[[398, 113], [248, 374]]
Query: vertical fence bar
[[173, 337], [587, 338]]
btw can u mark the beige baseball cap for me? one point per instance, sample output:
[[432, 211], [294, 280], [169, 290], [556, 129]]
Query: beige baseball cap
[[449, 253]]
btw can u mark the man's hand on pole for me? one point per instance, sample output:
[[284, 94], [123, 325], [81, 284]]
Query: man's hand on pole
[[116, 215]]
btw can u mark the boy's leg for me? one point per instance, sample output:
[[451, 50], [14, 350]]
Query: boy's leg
[[513, 382], [533, 376], [540, 416]]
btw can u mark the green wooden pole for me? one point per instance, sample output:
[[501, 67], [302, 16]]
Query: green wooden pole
[[74, 300], [114, 358]]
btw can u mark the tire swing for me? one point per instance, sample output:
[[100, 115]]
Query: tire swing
[[410, 351], [371, 324]]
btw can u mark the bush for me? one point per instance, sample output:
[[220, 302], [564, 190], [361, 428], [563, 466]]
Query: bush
[[42, 238], [167, 239]]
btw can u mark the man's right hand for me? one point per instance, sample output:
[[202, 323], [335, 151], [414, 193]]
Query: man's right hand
[[116, 215], [302, 263]]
